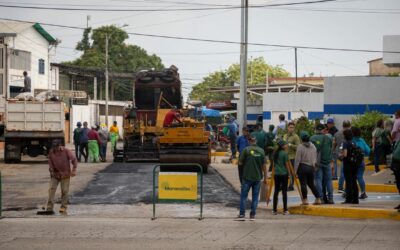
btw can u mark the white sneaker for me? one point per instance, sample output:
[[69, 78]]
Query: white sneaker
[[286, 213], [274, 212]]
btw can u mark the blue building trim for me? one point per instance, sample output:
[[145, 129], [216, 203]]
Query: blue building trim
[[252, 117], [352, 109], [289, 117], [315, 115], [267, 115]]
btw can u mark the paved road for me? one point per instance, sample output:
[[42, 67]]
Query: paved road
[[129, 183]]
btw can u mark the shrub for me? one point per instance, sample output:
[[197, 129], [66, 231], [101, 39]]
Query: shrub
[[366, 123]]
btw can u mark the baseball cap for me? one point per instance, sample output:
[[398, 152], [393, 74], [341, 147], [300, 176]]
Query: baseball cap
[[320, 127], [304, 135], [281, 142], [330, 120]]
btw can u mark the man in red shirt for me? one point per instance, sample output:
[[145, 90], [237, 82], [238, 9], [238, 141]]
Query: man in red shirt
[[171, 116], [60, 160], [94, 143]]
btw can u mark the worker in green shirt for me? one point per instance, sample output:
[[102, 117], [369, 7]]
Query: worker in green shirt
[[293, 141], [323, 175], [253, 160], [281, 169], [260, 135]]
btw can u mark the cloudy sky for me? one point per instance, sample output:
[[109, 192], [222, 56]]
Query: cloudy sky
[[353, 24]]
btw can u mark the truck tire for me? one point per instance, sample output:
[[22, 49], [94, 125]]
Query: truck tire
[[12, 151]]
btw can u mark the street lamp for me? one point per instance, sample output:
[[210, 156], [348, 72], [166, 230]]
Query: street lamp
[[106, 73]]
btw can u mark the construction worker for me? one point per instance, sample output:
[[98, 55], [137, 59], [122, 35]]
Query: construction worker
[[171, 116], [94, 143], [114, 133]]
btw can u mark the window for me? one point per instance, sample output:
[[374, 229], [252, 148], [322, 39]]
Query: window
[[1, 58], [20, 59], [41, 66]]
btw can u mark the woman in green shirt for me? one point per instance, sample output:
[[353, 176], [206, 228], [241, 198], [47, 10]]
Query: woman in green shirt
[[281, 169]]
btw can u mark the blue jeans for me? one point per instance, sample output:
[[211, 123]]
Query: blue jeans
[[323, 176], [255, 190], [360, 177], [103, 150], [341, 178], [335, 167]]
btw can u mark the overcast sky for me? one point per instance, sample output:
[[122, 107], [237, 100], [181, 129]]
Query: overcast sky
[[338, 24]]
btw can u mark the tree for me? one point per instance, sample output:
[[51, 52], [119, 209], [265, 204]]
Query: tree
[[257, 69], [123, 57]]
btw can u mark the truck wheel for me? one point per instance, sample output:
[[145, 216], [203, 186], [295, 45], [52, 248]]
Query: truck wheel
[[205, 169], [12, 152]]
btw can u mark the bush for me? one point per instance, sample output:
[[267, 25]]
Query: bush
[[366, 123]]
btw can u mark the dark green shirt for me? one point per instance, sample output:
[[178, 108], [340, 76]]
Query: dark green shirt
[[323, 145], [269, 139], [280, 163], [385, 134], [253, 159], [261, 137]]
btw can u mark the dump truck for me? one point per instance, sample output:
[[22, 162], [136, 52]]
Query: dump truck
[[32, 125], [145, 138], [30, 128]]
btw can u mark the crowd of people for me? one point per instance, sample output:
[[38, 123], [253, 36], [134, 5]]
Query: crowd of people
[[329, 154], [92, 143]]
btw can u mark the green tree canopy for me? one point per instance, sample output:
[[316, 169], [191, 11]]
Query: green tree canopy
[[123, 57], [257, 69]]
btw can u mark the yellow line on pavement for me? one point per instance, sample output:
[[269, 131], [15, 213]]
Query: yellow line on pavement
[[376, 188], [346, 212]]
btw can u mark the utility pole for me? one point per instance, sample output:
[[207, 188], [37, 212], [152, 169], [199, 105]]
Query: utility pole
[[106, 75], [242, 107], [295, 63]]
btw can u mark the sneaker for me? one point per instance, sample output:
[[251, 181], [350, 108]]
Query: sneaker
[[304, 202], [290, 188], [344, 195], [240, 218], [317, 201], [274, 212], [286, 212], [340, 190], [252, 217], [62, 210], [363, 196]]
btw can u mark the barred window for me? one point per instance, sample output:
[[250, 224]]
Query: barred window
[[20, 59], [41, 66]]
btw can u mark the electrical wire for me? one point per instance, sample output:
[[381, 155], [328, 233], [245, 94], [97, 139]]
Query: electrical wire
[[160, 9], [228, 42]]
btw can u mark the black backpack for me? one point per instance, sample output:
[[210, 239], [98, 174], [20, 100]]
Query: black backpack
[[356, 155]]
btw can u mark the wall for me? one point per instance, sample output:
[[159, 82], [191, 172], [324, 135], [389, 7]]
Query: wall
[[377, 68], [292, 105], [30, 40], [253, 112], [349, 95], [391, 43]]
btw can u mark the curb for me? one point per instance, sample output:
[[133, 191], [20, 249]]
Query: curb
[[218, 153], [374, 188], [346, 212]]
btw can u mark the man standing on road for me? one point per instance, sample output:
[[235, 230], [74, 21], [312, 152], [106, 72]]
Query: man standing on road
[[241, 143], [338, 140], [94, 144], [84, 141], [293, 141], [60, 160], [77, 141], [260, 135], [104, 137], [232, 130], [253, 160], [323, 175], [330, 123], [114, 133]]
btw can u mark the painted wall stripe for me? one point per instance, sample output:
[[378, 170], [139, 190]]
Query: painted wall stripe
[[351, 109], [267, 115], [252, 117], [315, 115]]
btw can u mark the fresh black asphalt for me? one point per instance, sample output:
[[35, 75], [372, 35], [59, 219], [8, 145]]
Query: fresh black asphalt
[[130, 183]]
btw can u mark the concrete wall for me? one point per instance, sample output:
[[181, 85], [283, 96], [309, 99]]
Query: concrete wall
[[292, 105], [30, 40], [349, 95], [377, 68], [253, 112]]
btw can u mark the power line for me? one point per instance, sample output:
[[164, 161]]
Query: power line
[[227, 42], [159, 9]]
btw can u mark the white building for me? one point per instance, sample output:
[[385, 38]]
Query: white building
[[24, 47]]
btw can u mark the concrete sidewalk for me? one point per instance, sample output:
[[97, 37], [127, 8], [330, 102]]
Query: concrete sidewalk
[[377, 205]]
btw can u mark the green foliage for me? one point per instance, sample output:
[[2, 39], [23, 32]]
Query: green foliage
[[123, 57], [303, 124], [256, 72], [366, 123]]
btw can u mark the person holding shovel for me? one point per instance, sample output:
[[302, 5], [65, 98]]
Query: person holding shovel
[[60, 161], [281, 168]]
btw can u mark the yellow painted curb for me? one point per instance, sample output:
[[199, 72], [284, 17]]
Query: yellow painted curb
[[375, 188], [218, 153], [346, 212]]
